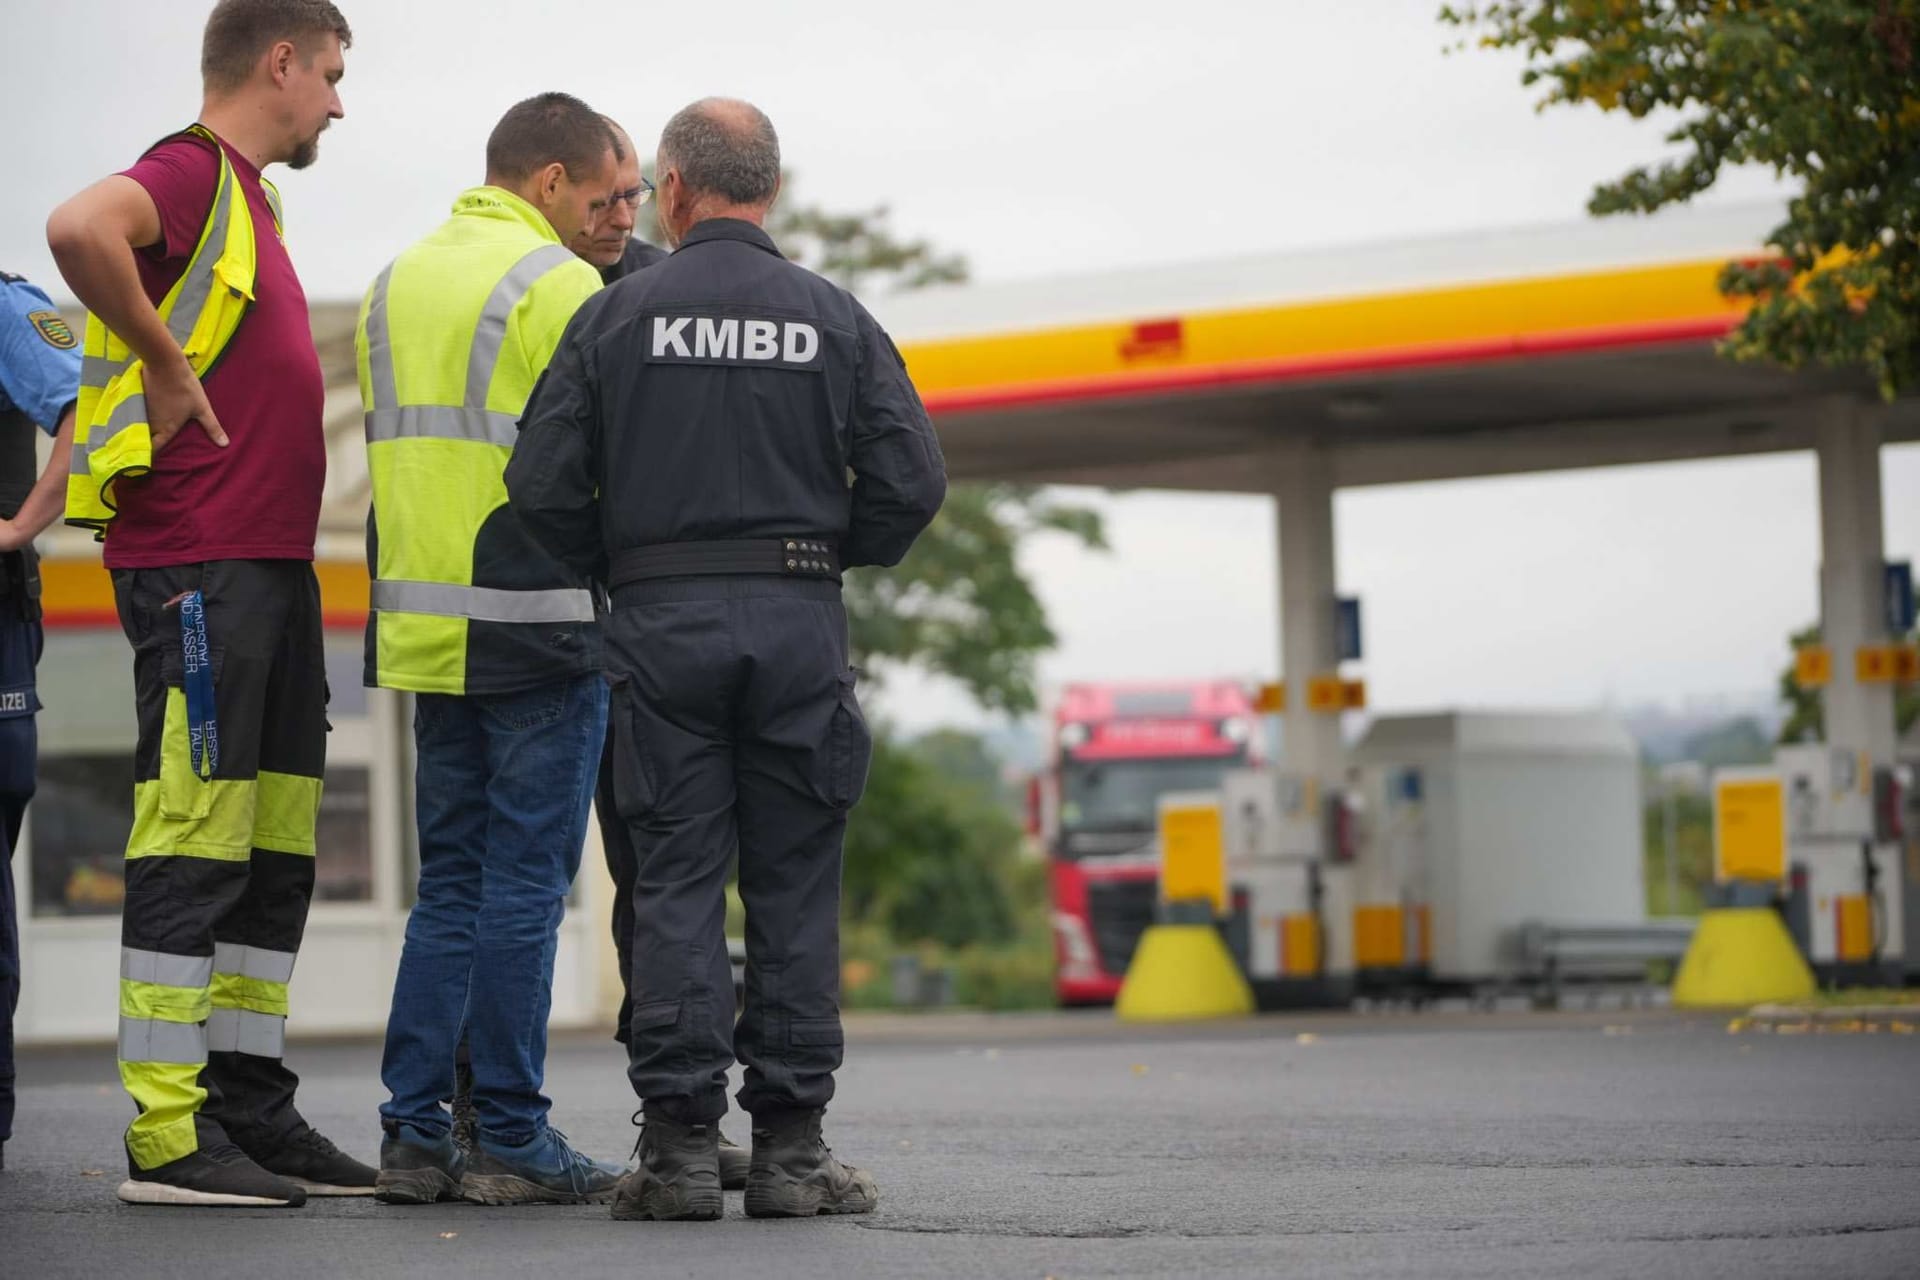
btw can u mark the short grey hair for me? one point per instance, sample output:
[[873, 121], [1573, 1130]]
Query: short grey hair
[[724, 147]]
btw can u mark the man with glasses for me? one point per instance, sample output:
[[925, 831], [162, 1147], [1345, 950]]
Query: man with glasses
[[611, 245]]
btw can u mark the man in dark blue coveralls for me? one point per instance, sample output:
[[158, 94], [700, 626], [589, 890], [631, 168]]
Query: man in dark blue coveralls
[[690, 445], [39, 383]]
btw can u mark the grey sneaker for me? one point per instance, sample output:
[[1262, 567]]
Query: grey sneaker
[[675, 1174], [794, 1173], [543, 1170], [417, 1167]]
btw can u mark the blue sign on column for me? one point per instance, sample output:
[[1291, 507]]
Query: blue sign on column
[[1899, 581], [1346, 629]]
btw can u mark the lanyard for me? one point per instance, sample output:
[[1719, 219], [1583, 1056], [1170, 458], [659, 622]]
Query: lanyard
[[203, 732]]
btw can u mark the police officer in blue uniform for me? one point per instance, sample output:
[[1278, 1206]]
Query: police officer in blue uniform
[[39, 383], [691, 446]]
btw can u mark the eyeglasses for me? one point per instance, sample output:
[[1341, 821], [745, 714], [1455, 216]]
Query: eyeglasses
[[634, 197]]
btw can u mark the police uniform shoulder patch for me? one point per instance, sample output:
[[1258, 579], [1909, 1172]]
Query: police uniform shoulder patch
[[56, 331]]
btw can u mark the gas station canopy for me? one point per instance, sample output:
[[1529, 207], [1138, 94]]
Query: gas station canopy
[[1499, 352]]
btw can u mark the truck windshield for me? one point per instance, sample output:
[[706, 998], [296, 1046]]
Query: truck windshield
[[1124, 795]]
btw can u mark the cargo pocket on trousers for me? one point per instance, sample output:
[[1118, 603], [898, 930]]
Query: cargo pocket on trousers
[[852, 745], [651, 1017], [184, 796], [632, 788], [814, 1033]]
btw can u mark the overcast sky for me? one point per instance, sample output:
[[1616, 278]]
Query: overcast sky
[[1058, 136]]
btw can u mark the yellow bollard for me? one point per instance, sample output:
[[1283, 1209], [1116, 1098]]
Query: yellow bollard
[[1183, 972], [1741, 956], [1182, 969]]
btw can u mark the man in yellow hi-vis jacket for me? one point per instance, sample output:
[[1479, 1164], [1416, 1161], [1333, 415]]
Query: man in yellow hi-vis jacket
[[199, 457], [500, 645]]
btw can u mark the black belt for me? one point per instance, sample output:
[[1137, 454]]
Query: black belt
[[795, 557]]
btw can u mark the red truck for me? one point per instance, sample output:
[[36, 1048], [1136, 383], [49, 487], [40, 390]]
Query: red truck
[[1117, 748]]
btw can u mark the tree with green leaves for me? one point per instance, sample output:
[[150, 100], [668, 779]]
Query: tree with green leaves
[[1826, 93], [929, 855], [1806, 714], [856, 250], [960, 605]]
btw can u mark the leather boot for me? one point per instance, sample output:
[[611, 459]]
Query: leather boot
[[795, 1175], [675, 1175]]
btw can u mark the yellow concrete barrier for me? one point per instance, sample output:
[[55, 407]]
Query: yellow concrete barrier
[[1741, 956], [1183, 972]]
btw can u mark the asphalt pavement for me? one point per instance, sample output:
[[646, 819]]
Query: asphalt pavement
[[1431, 1145]]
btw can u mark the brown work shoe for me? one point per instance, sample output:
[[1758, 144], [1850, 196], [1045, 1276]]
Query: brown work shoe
[[794, 1173], [675, 1175]]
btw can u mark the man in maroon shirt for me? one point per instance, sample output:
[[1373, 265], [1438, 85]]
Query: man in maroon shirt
[[211, 552]]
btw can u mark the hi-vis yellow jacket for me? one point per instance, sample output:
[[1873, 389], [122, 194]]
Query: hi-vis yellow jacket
[[202, 311], [452, 336]]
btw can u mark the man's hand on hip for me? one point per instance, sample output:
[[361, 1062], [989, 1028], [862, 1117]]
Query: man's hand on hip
[[175, 398]]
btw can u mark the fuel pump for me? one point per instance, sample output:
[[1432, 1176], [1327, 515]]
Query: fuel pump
[[1844, 846], [1285, 894]]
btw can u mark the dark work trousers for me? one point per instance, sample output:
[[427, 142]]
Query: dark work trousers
[[20, 640], [735, 728], [623, 865], [219, 872]]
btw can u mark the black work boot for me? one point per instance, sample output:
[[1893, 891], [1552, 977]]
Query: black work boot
[[466, 1120], [675, 1176], [794, 1174], [734, 1161]]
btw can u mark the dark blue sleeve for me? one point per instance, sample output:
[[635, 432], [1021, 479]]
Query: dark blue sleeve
[[899, 475], [39, 354], [552, 477]]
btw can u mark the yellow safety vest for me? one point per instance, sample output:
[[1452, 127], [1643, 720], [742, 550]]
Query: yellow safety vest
[[202, 311], [451, 338]]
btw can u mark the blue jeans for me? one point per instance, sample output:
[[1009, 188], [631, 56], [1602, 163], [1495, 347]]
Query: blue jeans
[[502, 791]]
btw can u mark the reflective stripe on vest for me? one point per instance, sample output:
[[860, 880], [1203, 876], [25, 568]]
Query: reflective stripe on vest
[[202, 312], [483, 604], [388, 421]]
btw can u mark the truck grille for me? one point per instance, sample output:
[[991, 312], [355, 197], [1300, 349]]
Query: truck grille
[[1121, 912]]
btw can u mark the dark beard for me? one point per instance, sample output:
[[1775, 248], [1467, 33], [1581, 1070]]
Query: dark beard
[[305, 154]]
